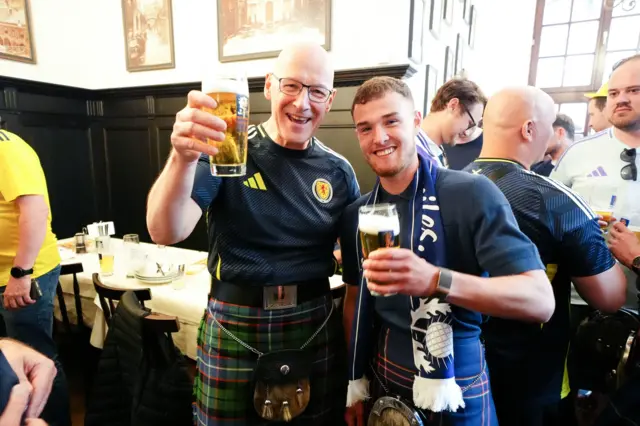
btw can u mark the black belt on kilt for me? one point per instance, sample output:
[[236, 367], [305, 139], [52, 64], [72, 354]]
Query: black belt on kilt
[[253, 295]]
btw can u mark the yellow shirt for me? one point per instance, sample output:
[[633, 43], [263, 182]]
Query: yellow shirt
[[21, 174]]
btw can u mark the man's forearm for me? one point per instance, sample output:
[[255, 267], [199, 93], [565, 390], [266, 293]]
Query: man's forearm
[[168, 201], [349, 310], [32, 228], [525, 297]]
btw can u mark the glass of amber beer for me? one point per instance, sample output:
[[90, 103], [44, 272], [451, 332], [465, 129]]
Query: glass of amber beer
[[379, 227], [231, 93]]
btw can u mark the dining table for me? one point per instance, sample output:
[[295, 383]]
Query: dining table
[[185, 298]]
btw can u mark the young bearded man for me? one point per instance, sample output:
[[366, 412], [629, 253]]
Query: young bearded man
[[455, 229], [517, 125]]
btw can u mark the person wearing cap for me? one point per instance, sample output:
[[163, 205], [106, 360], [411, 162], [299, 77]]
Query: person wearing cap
[[597, 101]]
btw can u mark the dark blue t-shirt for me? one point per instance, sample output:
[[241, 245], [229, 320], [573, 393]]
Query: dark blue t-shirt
[[279, 223], [482, 238], [570, 244], [543, 168], [460, 156], [8, 380]]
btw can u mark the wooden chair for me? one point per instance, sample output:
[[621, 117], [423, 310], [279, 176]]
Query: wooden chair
[[71, 269], [107, 295]]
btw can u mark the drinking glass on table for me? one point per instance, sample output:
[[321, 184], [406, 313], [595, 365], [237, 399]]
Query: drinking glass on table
[[106, 255], [230, 90], [379, 227], [131, 245]]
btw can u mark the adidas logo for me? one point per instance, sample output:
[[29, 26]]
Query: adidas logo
[[255, 182], [599, 172]]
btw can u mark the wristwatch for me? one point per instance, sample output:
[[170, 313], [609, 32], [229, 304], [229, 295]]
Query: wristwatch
[[18, 272], [445, 279], [635, 265]]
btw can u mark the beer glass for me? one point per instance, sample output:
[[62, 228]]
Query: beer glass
[[635, 230], [379, 227], [231, 93], [106, 255]]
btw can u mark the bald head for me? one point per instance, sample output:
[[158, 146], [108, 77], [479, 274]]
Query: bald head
[[518, 123], [308, 58]]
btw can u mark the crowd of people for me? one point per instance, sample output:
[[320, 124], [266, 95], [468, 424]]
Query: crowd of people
[[469, 321]]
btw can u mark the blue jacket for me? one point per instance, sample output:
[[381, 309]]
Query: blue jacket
[[8, 380]]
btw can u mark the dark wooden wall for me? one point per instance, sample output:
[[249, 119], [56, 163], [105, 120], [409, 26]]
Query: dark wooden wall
[[101, 150]]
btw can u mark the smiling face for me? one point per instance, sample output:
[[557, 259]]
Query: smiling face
[[386, 129], [301, 93]]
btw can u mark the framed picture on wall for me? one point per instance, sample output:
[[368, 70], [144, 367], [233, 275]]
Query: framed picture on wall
[[447, 11], [431, 86], [458, 66], [261, 29], [435, 17], [448, 64], [416, 30], [148, 34], [466, 11], [16, 41], [472, 26]]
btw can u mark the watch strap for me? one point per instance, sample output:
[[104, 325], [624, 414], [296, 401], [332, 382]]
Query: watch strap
[[635, 265], [445, 279]]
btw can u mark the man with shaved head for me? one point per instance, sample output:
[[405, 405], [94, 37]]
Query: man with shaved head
[[271, 248], [527, 360]]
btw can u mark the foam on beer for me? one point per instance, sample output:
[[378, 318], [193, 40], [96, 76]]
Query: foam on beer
[[226, 86], [372, 224]]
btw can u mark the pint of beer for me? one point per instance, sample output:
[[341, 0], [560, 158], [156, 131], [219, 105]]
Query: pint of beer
[[635, 230], [231, 92], [379, 227]]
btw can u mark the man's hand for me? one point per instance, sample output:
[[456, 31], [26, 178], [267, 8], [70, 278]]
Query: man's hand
[[16, 294], [354, 416], [34, 370], [603, 223], [398, 270], [623, 244], [193, 126]]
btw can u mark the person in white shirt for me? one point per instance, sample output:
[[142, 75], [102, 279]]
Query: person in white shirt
[[603, 168], [456, 110]]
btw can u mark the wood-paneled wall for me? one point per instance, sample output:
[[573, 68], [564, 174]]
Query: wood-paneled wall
[[102, 150]]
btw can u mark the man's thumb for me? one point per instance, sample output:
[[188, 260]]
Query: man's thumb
[[17, 405]]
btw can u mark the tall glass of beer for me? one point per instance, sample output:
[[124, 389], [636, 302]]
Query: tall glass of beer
[[231, 93], [379, 227]]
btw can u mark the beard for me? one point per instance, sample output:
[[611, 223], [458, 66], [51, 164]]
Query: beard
[[629, 124]]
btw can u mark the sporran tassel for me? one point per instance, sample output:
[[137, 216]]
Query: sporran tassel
[[267, 410], [286, 412], [299, 396]]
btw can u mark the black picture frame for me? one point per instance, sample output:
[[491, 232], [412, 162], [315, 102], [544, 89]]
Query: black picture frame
[[447, 11], [431, 85], [458, 64], [448, 64], [466, 11], [435, 17], [416, 30], [472, 26]]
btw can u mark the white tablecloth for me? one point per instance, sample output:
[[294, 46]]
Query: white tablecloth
[[186, 300]]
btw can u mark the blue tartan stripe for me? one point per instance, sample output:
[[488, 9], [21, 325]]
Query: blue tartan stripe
[[224, 382]]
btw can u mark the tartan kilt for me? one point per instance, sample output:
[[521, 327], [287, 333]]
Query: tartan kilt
[[223, 385]]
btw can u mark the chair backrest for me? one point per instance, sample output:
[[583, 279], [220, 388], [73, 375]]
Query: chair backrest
[[71, 269], [107, 295], [152, 321]]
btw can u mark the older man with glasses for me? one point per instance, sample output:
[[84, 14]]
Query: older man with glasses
[[455, 110], [603, 168], [270, 318]]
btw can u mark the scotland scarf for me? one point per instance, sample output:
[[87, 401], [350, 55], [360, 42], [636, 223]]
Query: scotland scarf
[[434, 386]]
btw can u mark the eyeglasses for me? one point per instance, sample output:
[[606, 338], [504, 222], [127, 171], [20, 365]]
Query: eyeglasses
[[291, 87], [630, 171], [473, 121]]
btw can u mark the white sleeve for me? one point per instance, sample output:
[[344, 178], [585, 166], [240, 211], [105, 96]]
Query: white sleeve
[[562, 171]]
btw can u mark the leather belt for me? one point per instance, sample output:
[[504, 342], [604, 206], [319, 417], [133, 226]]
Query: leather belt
[[253, 295]]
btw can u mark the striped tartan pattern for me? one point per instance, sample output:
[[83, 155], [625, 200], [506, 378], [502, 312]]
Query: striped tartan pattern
[[223, 385]]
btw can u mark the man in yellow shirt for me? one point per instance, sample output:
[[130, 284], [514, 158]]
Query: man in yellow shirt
[[28, 251]]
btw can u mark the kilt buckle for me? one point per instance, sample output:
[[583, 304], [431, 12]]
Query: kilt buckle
[[279, 297]]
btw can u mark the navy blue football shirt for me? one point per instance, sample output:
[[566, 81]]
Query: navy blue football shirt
[[482, 238], [570, 243], [277, 224]]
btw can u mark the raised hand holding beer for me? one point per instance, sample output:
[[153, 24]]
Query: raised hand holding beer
[[194, 126]]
